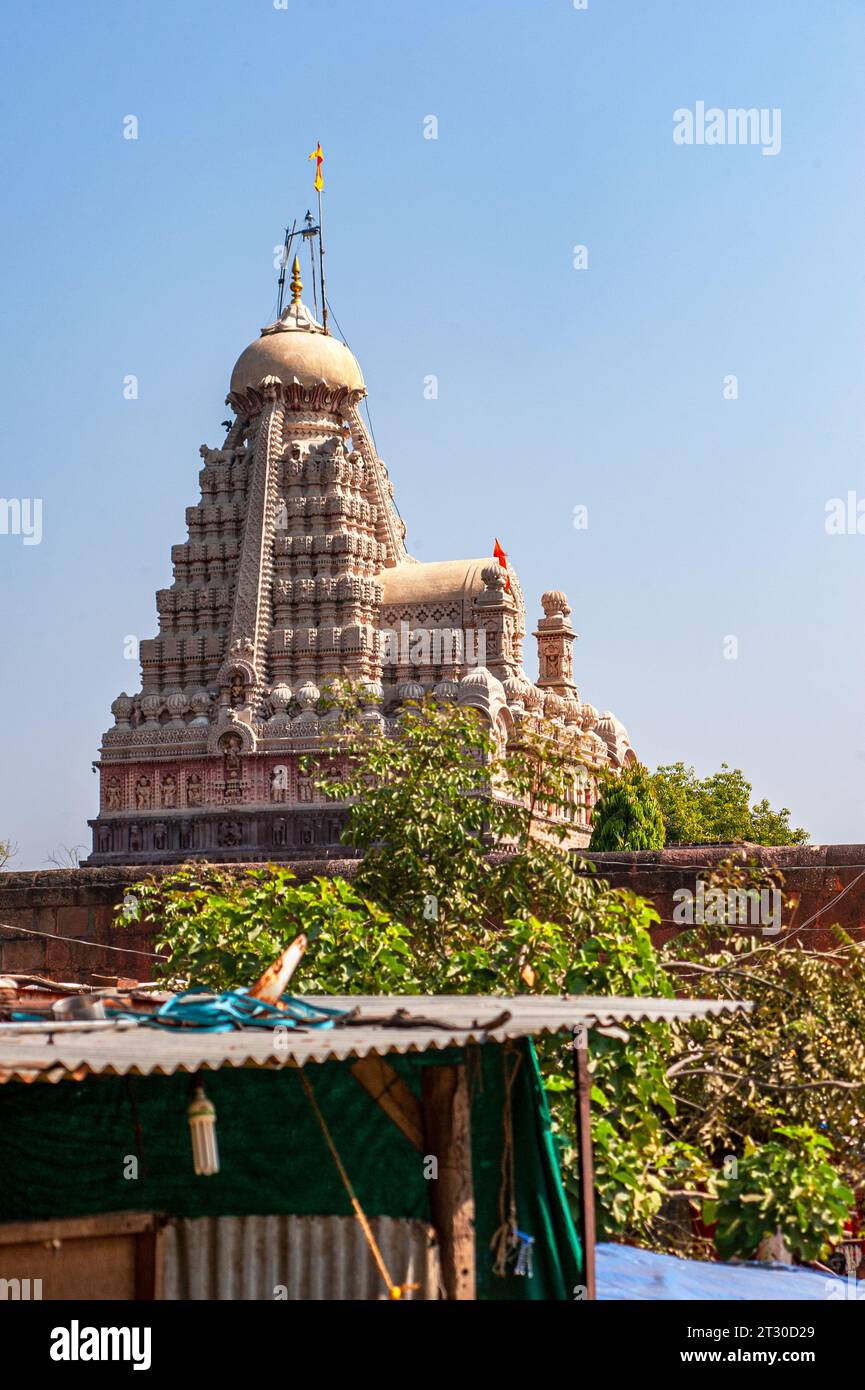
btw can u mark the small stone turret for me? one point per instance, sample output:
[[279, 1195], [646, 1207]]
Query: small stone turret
[[556, 645]]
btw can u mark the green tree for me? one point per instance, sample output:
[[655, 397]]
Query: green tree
[[627, 815], [789, 1188], [798, 1057], [717, 809], [218, 928], [429, 804]]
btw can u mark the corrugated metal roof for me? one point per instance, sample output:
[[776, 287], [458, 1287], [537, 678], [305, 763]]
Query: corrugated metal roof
[[379, 1024]]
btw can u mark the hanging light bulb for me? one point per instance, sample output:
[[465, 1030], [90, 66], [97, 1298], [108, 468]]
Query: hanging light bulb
[[202, 1127]]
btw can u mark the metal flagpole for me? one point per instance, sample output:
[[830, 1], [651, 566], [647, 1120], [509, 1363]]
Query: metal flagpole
[[321, 266], [309, 235]]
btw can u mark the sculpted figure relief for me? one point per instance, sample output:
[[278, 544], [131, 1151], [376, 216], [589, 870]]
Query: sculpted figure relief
[[237, 691], [295, 543], [305, 789], [279, 783], [231, 746], [232, 763], [230, 833]]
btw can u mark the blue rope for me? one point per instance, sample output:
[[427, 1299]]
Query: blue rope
[[219, 1013]]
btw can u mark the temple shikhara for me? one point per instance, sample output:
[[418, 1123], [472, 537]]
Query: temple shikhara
[[295, 572]]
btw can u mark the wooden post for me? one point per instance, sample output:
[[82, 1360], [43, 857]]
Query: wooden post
[[150, 1263], [582, 1097], [447, 1137]]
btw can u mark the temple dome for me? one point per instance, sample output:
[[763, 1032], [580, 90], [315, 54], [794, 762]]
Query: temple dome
[[430, 581], [296, 349]]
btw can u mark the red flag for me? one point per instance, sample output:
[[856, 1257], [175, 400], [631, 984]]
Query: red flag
[[502, 558]]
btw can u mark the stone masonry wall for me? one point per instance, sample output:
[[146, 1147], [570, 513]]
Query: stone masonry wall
[[72, 909], [827, 880], [60, 904]]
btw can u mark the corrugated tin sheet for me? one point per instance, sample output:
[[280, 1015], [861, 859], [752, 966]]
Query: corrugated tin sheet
[[379, 1024], [296, 1257]]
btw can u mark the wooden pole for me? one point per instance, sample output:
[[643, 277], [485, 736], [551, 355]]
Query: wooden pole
[[582, 1100], [447, 1138]]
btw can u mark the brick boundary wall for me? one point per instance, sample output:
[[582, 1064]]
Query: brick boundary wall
[[60, 904], [828, 881], [80, 903]]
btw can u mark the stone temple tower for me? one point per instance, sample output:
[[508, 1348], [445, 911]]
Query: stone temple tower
[[294, 572]]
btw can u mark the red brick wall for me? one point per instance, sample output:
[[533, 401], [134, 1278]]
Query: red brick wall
[[79, 903], [813, 874], [62, 903]]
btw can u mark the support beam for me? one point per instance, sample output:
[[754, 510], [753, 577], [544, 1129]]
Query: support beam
[[388, 1090], [582, 1094], [447, 1137]]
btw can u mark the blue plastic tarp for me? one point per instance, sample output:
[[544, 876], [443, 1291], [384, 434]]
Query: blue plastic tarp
[[623, 1272]]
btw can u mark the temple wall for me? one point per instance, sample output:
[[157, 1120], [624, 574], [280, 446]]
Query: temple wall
[[79, 903]]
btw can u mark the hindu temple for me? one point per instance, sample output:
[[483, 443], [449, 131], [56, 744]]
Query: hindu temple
[[295, 573]]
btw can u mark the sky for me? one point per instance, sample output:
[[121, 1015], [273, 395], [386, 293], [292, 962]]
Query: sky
[[693, 378]]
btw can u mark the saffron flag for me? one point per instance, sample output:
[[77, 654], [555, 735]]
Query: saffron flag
[[319, 158], [501, 556]]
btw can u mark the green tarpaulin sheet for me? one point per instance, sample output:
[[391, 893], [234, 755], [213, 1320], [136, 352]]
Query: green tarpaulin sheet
[[65, 1151]]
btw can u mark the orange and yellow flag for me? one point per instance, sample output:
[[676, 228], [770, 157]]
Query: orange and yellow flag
[[319, 158]]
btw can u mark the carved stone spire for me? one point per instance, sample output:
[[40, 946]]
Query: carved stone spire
[[275, 594]]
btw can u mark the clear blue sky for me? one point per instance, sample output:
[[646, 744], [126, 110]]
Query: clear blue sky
[[557, 387]]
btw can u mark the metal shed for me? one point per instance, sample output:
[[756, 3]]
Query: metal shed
[[371, 1039]]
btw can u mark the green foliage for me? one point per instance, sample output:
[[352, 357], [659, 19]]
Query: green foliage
[[798, 1057], [718, 809], [219, 929], [425, 818], [790, 1188], [632, 1100], [420, 812], [627, 815]]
